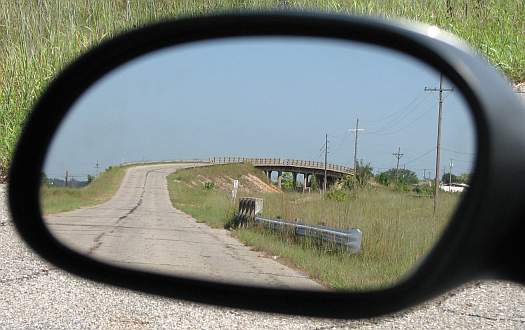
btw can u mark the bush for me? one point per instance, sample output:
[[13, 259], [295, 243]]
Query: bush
[[363, 174], [287, 181], [424, 190], [338, 195], [314, 185], [401, 187], [400, 176], [209, 186]]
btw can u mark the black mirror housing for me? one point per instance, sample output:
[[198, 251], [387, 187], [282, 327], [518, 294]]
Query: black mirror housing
[[490, 211]]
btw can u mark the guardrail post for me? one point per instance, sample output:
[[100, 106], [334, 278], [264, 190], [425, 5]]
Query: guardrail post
[[249, 207]]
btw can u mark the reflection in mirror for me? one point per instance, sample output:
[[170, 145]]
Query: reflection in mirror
[[285, 162]]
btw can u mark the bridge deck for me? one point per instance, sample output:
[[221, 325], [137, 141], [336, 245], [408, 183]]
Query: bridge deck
[[278, 163]]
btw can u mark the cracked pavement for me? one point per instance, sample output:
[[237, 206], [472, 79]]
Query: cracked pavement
[[36, 295], [139, 228]]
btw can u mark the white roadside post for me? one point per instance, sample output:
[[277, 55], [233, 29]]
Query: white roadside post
[[235, 188]]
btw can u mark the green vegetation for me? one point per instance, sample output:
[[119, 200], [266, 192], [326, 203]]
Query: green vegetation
[[287, 181], [189, 190], [37, 38], [398, 227], [446, 178], [397, 176], [99, 190]]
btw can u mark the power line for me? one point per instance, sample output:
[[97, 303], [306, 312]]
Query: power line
[[457, 152], [398, 120], [402, 110], [385, 132], [420, 156]]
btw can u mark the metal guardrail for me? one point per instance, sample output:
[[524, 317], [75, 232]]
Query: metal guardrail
[[249, 208], [349, 239], [281, 162]]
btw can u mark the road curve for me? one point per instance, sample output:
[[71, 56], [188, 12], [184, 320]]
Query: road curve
[[139, 228]]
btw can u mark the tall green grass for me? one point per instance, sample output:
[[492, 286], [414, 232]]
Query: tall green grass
[[37, 38], [398, 227], [101, 189]]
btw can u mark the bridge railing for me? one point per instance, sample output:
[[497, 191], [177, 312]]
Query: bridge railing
[[281, 162]]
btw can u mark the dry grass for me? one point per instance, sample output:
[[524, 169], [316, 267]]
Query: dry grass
[[398, 228]]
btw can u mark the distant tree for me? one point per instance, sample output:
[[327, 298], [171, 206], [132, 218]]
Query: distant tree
[[363, 173], [314, 185], [287, 181], [384, 178], [401, 176], [361, 178], [408, 177], [447, 177], [89, 179], [463, 178]]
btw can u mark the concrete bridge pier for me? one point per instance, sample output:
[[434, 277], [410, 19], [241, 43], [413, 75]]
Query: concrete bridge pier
[[279, 178], [305, 184], [294, 175], [269, 175], [320, 181]]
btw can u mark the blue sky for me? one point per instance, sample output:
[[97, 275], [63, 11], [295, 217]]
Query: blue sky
[[265, 97]]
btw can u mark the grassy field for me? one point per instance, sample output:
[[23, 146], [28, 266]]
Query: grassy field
[[398, 227], [61, 199], [37, 38]]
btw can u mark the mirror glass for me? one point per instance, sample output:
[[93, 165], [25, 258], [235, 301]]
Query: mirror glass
[[287, 162]]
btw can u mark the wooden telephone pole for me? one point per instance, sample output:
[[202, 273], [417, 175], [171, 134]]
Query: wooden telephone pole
[[398, 155], [325, 161], [438, 142], [356, 131]]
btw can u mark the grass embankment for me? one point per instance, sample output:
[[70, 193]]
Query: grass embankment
[[37, 38], [398, 228], [214, 205], [100, 190]]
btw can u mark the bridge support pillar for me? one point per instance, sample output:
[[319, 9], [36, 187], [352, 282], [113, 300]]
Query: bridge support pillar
[[320, 181], [294, 175], [269, 175], [279, 178], [305, 183]]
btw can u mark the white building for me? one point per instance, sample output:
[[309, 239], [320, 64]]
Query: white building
[[454, 187]]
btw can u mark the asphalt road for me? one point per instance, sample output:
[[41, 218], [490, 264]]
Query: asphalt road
[[36, 295], [139, 228]]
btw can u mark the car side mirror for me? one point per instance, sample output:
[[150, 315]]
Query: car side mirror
[[151, 139]]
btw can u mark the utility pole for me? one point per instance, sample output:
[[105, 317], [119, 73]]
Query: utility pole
[[66, 179], [438, 142], [325, 161], [450, 172], [97, 165], [398, 155], [356, 131], [425, 173]]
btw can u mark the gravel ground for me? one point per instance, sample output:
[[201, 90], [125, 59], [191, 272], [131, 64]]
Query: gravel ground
[[36, 295]]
